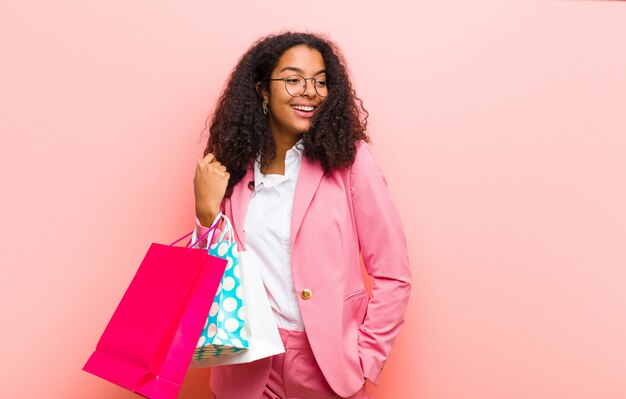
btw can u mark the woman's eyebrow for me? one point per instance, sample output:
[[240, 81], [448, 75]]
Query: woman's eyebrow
[[290, 68]]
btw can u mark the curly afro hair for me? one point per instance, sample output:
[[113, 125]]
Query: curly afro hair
[[239, 132]]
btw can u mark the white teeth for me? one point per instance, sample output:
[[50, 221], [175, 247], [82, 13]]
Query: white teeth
[[303, 108]]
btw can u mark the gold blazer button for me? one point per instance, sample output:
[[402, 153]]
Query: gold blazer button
[[306, 294]]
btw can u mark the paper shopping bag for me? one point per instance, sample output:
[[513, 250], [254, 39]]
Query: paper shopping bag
[[225, 332], [150, 339], [253, 310]]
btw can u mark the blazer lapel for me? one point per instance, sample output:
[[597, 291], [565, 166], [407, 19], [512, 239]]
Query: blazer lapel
[[309, 179], [239, 201]]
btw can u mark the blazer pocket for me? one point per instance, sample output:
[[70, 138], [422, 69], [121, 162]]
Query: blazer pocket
[[355, 295]]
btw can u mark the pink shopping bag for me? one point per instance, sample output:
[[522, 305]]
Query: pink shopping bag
[[150, 340]]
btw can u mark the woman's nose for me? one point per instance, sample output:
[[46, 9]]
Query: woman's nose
[[309, 88]]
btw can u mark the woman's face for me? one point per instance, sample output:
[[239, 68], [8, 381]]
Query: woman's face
[[290, 116]]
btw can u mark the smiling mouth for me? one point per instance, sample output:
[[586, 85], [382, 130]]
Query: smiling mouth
[[304, 108]]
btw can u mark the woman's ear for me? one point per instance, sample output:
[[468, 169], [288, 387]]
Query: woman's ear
[[262, 91]]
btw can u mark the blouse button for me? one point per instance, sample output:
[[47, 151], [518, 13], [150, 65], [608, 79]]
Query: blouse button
[[306, 294]]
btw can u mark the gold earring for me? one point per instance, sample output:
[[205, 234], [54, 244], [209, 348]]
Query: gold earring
[[264, 108]]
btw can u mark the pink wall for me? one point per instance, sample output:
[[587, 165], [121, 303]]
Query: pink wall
[[501, 129]]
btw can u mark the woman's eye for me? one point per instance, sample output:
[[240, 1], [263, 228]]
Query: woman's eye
[[321, 83], [292, 81]]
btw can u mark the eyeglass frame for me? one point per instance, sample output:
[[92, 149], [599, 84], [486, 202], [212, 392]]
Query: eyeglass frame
[[303, 87]]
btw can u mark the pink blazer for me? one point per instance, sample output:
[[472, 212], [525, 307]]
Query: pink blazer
[[336, 218]]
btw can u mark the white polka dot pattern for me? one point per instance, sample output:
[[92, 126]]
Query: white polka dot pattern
[[228, 283], [224, 332], [214, 308], [231, 325], [212, 330], [222, 248], [230, 304]]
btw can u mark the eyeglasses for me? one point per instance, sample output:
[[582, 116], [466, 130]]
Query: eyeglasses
[[296, 85]]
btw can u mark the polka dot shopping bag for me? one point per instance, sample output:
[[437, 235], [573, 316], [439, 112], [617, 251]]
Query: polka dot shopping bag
[[240, 326]]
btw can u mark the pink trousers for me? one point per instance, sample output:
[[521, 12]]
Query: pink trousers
[[296, 375]]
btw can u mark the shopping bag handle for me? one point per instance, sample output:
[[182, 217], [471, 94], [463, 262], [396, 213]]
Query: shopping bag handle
[[228, 229], [202, 237], [185, 236]]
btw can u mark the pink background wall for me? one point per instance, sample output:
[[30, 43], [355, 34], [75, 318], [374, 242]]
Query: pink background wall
[[500, 127]]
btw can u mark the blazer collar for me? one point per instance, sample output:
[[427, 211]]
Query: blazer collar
[[309, 179], [239, 200]]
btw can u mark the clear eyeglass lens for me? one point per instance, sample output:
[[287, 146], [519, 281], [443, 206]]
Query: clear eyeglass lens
[[321, 87], [296, 86]]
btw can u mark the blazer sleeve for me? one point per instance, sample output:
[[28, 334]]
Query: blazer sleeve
[[200, 231], [385, 256]]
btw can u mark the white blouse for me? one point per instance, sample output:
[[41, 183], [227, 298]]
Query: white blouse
[[267, 231]]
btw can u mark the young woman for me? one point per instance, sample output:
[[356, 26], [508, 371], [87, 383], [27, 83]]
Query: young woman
[[288, 162]]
